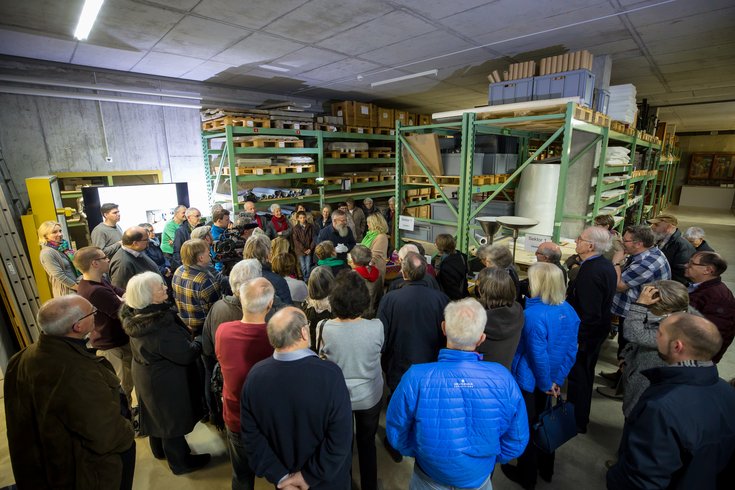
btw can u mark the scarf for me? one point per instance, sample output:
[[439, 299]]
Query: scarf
[[370, 237], [331, 262], [368, 273], [280, 224], [64, 248]]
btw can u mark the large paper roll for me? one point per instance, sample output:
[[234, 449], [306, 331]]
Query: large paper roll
[[537, 193]]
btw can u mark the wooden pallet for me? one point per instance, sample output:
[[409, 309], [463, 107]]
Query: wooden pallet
[[384, 177], [418, 198], [299, 169], [382, 154], [384, 131], [269, 142], [450, 179], [282, 124], [272, 170], [347, 154], [360, 130], [588, 115], [248, 122], [331, 128]]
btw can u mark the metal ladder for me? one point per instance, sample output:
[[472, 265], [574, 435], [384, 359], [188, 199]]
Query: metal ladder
[[19, 292]]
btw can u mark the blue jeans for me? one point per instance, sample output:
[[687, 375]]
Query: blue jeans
[[305, 263], [422, 481]]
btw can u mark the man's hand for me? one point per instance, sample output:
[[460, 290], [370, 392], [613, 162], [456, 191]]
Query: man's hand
[[649, 296], [295, 481], [618, 257], [554, 391]]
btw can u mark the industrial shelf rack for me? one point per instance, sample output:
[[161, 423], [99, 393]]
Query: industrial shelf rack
[[317, 142], [547, 127]]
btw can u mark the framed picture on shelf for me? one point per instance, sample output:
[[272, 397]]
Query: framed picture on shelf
[[723, 167], [700, 166]]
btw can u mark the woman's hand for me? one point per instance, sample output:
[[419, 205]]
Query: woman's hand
[[649, 296], [554, 391]]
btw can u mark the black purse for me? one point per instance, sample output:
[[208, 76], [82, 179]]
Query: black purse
[[555, 425]]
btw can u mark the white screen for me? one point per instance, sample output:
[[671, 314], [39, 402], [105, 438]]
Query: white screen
[[142, 204]]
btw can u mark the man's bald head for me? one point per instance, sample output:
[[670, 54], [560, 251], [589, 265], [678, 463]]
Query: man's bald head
[[413, 267], [59, 316], [683, 336], [286, 329], [135, 237], [548, 252], [256, 295]]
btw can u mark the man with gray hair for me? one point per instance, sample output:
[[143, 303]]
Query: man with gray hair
[[239, 346], [429, 280], [681, 433], [485, 403], [293, 438], [339, 234], [183, 233], [590, 294], [64, 407]]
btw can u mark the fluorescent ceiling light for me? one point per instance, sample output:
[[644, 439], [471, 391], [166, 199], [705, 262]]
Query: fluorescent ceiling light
[[405, 77], [86, 19], [274, 68]]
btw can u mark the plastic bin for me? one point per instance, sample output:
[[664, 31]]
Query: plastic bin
[[500, 163], [452, 163], [577, 83], [421, 231], [440, 211], [602, 99], [511, 91]]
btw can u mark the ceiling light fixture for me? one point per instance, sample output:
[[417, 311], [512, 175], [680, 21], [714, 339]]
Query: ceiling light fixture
[[86, 19], [405, 77], [274, 68]]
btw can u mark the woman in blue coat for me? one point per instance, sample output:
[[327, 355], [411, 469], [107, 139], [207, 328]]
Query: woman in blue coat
[[546, 353]]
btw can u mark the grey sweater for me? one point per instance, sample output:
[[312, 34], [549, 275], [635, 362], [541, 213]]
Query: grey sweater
[[59, 270], [355, 347], [107, 238]]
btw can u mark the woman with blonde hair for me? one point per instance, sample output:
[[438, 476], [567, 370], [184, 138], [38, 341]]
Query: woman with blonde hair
[[546, 352], [376, 239], [57, 259]]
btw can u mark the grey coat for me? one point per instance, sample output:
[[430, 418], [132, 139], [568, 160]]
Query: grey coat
[[60, 271]]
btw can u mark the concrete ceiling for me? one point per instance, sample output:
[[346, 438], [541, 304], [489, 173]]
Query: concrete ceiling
[[674, 51]]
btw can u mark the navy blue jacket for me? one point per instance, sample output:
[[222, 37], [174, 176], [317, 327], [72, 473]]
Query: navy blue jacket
[[329, 233], [680, 435], [591, 294]]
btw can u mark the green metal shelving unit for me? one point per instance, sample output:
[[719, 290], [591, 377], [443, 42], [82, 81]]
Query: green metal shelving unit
[[564, 125], [317, 147]]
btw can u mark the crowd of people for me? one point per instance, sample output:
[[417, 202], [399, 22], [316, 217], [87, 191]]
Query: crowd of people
[[296, 348]]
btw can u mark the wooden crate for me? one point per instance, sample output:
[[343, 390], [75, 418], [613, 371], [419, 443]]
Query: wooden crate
[[248, 122], [359, 130], [270, 142], [355, 113], [386, 118], [347, 154]]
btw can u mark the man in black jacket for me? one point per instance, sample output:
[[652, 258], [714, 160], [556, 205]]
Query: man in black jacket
[[291, 436], [591, 295], [675, 247], [339, 234], [681, 434], [130, 259]]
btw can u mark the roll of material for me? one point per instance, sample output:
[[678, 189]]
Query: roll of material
[[482, 240], [537, 193]]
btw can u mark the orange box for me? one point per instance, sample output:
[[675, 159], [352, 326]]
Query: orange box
[[355, 113]]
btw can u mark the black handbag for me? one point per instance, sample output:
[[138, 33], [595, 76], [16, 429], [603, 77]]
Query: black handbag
[[555, 425]]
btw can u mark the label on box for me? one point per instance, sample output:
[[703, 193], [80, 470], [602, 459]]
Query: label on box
[[258, 171], [299, 169], [339, 113], [365, 110], [249, 123], [533, 241], [296, 126], [406, 223], [360, 130]]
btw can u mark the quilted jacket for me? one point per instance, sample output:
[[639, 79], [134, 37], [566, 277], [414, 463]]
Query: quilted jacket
[[457, 417], [548, 345]]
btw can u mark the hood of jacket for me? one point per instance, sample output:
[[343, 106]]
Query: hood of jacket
[[139, 323], [504, 321]]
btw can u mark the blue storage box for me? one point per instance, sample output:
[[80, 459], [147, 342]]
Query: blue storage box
[[602, 99], [577, 83], [520, 90]]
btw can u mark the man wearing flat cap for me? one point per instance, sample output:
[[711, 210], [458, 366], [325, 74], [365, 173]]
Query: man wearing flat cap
[[674, 246]]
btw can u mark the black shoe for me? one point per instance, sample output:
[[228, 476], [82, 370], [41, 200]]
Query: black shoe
[[581, 429], [394, 455], [614, 376], [513, 474], [609, 393], [195, 461], [545, 476]]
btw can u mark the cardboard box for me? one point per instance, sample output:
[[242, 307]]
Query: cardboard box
[[413, 119], [424, 119], [402, 117], [354, 113], [386, 118]]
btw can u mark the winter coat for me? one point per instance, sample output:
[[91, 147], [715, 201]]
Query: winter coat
[[304, 238], [680, 435], [360, 222], [165, 374], [458, 417], [379, 250], [715, 301], [452, 275], [503, 331], [591, 294], [678, 251], [278, 225], [548, 346], [63, 414], [329, 233]]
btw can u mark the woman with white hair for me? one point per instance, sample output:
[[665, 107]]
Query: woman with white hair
[[695, 236], [57, 259], [500, 256], [546, 353], [279, 224], [165, 374]]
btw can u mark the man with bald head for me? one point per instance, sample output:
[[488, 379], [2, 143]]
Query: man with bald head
[[681, 434], [550, 252], [296, 413], [239, 345], [64, 407], [131, 258]]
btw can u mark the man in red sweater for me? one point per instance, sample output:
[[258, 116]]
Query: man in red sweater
[[239, 345]]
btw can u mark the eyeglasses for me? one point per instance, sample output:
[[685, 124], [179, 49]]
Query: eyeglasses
[[580, 239], [94, 311], [694, 263], [629, 241]]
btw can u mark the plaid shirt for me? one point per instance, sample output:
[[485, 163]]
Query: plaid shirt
[[195, 291], [646, 267]]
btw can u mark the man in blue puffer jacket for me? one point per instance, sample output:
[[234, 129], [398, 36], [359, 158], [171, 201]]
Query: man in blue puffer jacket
[[458, 416]]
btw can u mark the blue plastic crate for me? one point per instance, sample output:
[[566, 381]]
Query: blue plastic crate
[[602, 99], [576, 83], [520, 90]]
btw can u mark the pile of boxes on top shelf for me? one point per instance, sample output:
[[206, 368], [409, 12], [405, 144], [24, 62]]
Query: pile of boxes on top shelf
[[360, 117]]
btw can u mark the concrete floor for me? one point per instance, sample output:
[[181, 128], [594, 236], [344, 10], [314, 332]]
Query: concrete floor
[[579, 464]]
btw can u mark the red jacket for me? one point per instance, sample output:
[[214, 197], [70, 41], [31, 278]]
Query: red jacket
[[715, 301]]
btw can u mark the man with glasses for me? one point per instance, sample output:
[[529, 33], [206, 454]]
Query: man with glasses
[[64, 408], [710, 296], [131, 258], [644, 264], [108, 336], [183, 233], [295, 411]]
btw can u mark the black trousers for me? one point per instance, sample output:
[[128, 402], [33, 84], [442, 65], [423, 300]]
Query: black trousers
[[366, 426], [534, 461], [581, 379], [175, 449], [128, 469], [622, 341]]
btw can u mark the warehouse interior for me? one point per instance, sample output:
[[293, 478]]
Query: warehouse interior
[[128, 101]]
